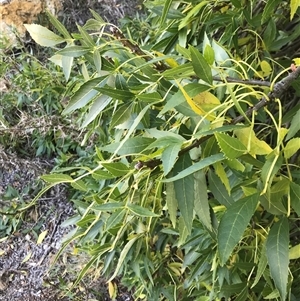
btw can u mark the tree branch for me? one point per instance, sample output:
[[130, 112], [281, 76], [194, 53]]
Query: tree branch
[[279, 88], [251, 82]]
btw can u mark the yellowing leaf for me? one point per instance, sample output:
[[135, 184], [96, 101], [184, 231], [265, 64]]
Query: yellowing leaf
[[27, 257], [294, 252], [171, 62], [220, 171], [291, 147], [282, 133], [253, 144], [297, 61], [206, 101], [112, 290], [41, 237], [266, 69], [201, 103], [294, 6]]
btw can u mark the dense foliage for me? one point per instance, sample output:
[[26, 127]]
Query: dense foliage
[[191, 189]]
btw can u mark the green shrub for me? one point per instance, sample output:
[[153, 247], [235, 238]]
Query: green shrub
[[191, 191]]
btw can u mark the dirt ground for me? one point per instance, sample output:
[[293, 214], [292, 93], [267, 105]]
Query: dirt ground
[[27, 268]]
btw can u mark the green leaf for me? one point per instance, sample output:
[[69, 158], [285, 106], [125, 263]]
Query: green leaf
[[97, 61], [295, 197], [165, 12], [262, 264], [270, 34], [273, 204], [236, 3], [183, 231], [233, 224], [58, 25], [141, 211], [123, 255], [74, 51], [164, 138], [169, 156], [197, 166], [145, 120], [269, 170], [172, 13], [200, 66], [194, 89], [225, 128], [109, 206], [277, 245], [117, 169], [235, 164], [99, 104], [66, 62], [184, 191], [57, 178], [133, 145], [269, 10], [173, 102], [83, 95], [122, 114], [115, 93], [221, 54], [182, 50], [102, 175], [295, 126], [116, 218], [93, 25], [291, 147], [43, 36], [86, 38], [121, 83], [79, 185], [221, 173], [97, 17], [231, 147], [201, 205], [193, 12], [218, 190], [172, 203], [209, 54], [182, 71], [149, 97]]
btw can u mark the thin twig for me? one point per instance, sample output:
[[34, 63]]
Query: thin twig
[[163, 67], [251, 82], [136, 49], [278, 90]]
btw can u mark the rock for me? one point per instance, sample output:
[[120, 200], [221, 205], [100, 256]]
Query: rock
[[15, 13]]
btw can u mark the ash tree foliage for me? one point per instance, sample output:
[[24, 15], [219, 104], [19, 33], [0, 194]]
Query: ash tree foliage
[[192, 189]]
